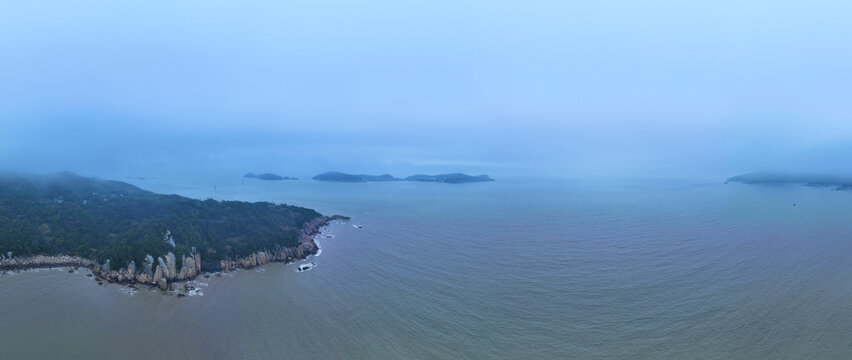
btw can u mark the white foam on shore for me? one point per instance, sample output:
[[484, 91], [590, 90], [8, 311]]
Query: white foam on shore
[[128, 291], [319, 248], [305, 267]]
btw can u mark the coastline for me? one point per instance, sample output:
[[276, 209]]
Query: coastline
[[44, 262], [164, 277]]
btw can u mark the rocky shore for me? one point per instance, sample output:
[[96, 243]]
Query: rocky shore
[[163, 272], [307, 246], [41, 261]]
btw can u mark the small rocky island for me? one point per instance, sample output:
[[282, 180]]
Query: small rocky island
[[132, 236], [455, 178], [835, 181]]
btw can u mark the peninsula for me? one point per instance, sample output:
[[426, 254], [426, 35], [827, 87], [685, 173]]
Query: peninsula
[[454, 178], [132, 236]]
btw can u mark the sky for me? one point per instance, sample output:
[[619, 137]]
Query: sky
[[573, 89]]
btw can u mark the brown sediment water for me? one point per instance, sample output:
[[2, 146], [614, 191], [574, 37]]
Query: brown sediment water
[[504, 270]]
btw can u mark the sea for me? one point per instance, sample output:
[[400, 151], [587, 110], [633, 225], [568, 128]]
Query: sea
[[511, 269]]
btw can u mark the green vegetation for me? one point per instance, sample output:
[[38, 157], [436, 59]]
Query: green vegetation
[[100, 220]]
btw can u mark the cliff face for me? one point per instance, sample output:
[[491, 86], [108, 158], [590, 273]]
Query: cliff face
[[165, 272], [306, 247]]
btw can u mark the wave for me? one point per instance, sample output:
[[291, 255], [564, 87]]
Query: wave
[[305, 267]]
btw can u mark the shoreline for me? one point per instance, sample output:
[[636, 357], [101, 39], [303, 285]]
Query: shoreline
[[44, 262], [164, 277]]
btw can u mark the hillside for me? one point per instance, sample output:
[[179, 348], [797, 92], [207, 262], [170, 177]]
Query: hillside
[[119, 225]]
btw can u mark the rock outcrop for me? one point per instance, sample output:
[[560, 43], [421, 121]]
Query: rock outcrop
[[41, 261], [158, 274], [143, 279], [191, 267]]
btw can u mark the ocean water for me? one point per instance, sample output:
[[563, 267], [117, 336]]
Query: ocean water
[[514, 269]]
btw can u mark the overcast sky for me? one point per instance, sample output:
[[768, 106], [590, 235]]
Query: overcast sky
[[698, 89]]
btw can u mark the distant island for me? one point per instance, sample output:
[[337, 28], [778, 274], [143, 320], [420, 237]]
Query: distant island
[[132, 236], [341, 177], [838, 182], [268, 176], [455, 178]]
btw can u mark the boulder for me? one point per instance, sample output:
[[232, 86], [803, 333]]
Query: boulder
[[158, 274], [143, 278]]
